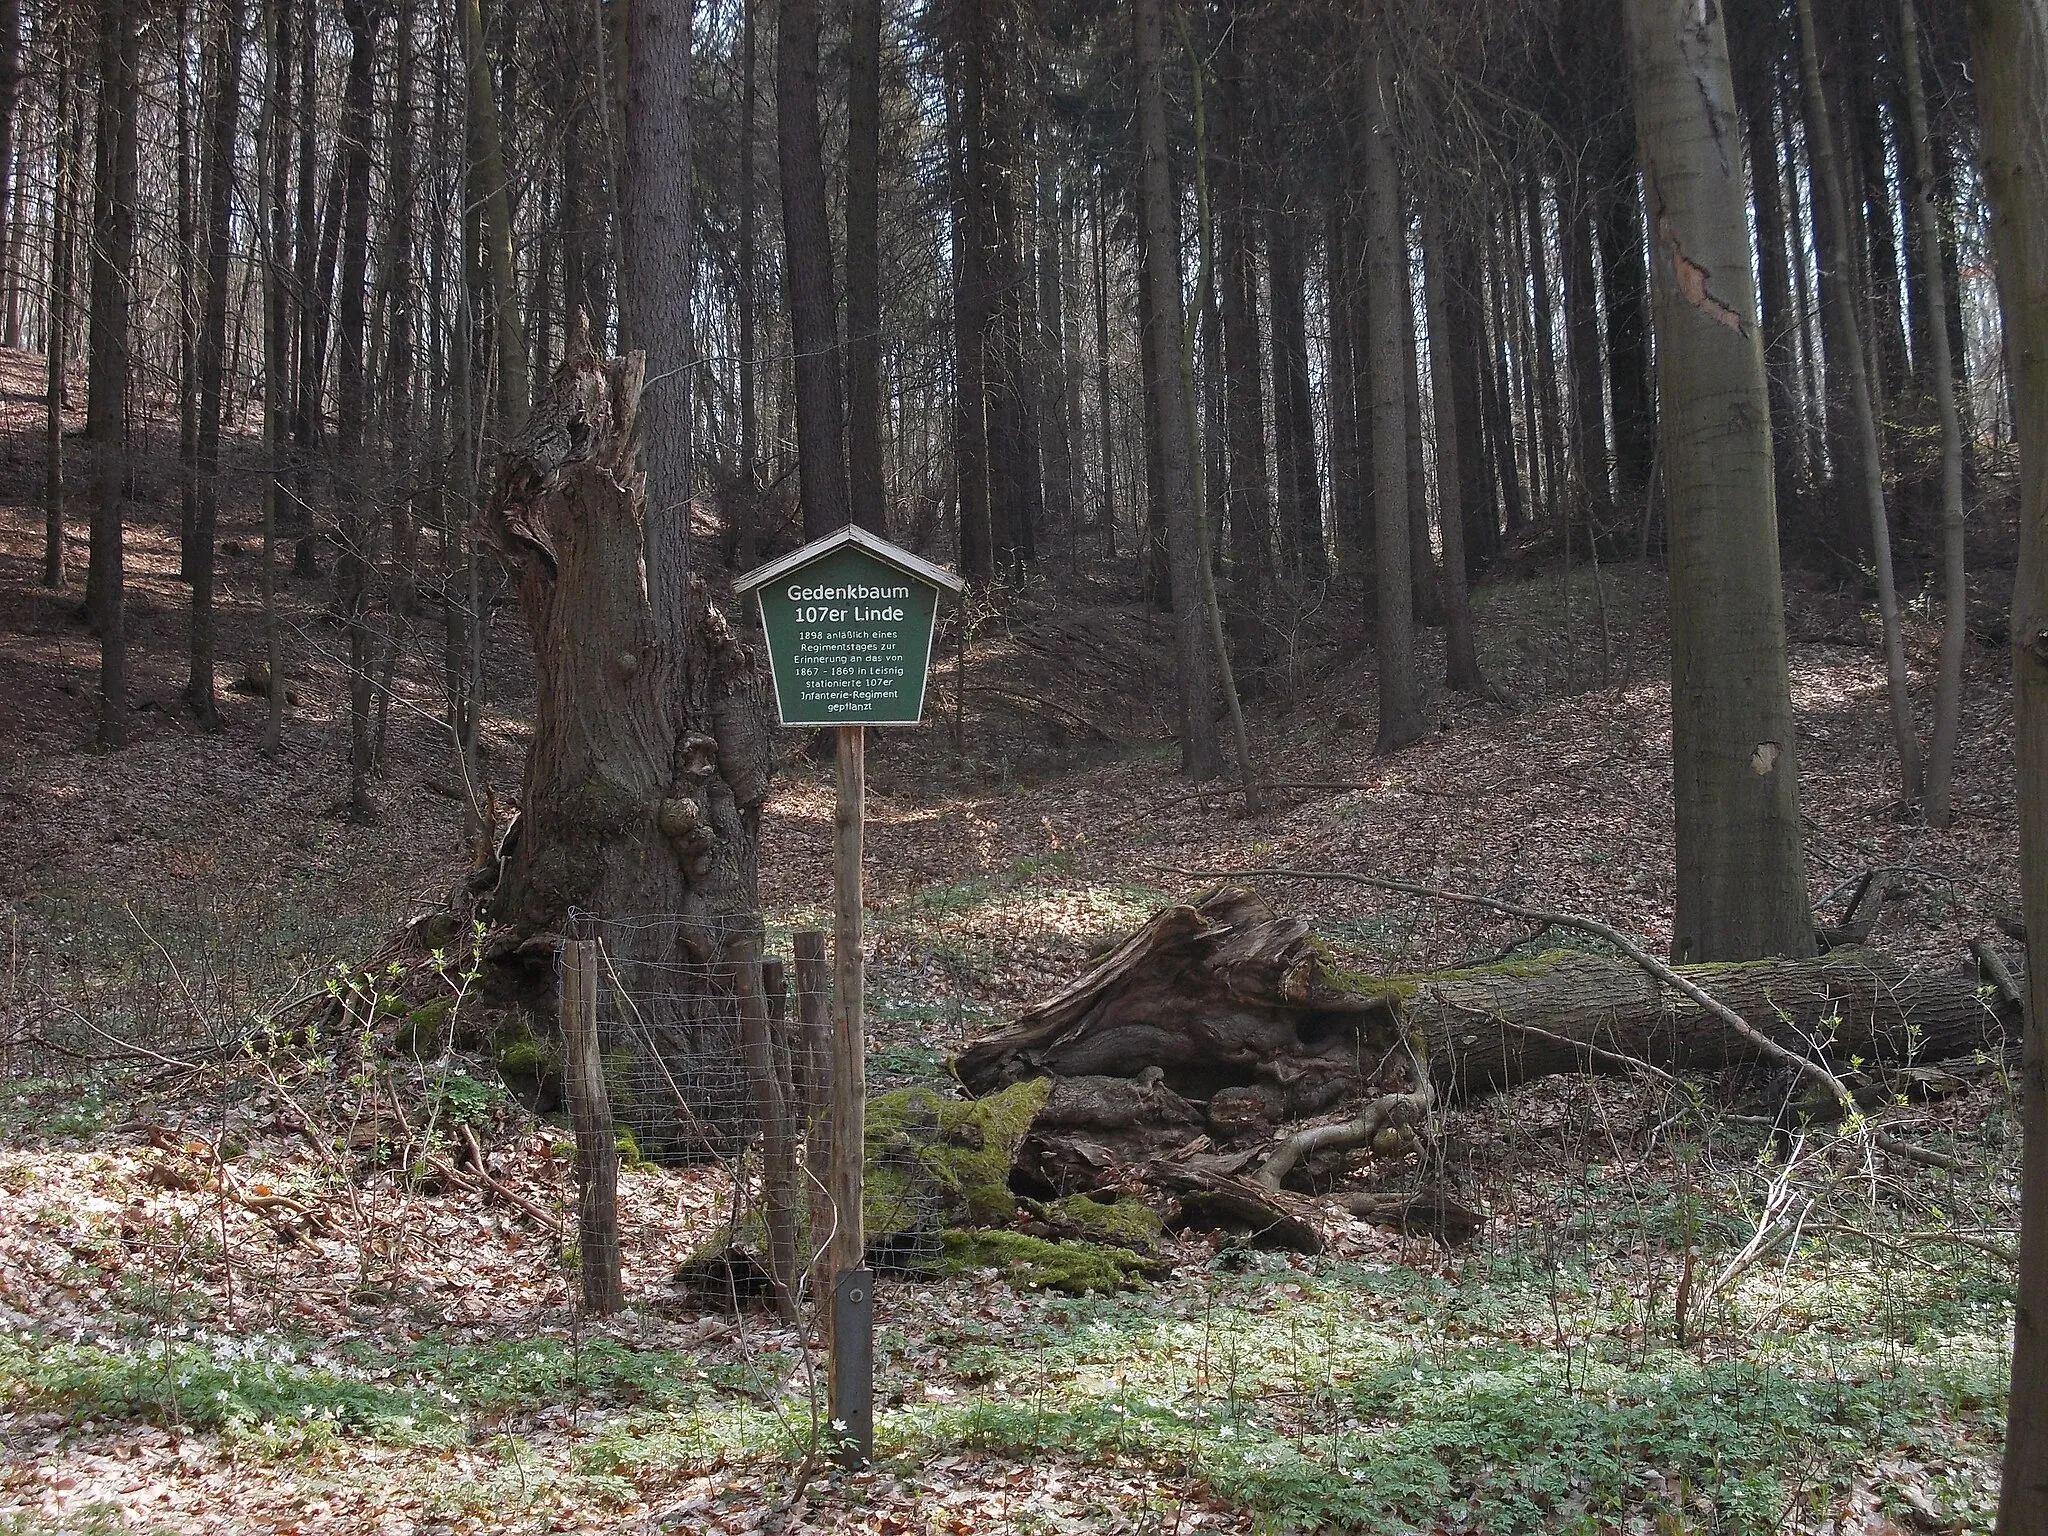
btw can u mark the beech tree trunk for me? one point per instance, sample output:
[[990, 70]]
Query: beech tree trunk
[[1735, 757], [2009, 42]]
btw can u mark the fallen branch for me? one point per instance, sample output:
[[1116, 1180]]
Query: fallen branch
[[1388, 1113]]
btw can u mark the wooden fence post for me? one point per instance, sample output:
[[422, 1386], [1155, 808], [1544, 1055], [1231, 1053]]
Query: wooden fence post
[[597, 1146], [813, 1051], [778, 1143], [852, 1289]]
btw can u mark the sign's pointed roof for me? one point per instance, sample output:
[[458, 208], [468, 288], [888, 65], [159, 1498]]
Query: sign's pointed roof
[[859, 537]]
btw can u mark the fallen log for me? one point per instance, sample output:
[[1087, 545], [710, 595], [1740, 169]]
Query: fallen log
[[1222, 998]]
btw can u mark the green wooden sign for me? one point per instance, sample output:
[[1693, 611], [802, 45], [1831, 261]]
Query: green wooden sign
[[849, 624]]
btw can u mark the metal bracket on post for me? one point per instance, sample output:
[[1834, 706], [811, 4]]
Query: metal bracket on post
[[853, 1367]]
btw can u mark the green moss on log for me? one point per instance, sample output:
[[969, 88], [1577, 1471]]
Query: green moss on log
[[1401, 987], [940, 1162], [1033, 1263], [1124, 1222]]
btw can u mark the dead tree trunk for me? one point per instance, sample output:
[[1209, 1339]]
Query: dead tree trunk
[[1230, 1006]]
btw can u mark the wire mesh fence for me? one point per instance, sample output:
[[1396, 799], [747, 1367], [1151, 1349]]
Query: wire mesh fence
[[688, 1080]]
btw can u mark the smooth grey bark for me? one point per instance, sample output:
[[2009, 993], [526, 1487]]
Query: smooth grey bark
[[1735, 758], [2009, 43]]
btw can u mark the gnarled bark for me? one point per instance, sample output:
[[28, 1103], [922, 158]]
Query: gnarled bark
[[650, 757]]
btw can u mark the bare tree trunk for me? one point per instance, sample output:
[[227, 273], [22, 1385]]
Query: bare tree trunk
[[10, 103], [1401, 719], [1546, 432], [1165, 323], [273, 175], [1757, 81], [1862, 405], [2009, 42], [864, 266], [189, 295], [1582, 357], [807, 272], [1099, 244], [493, 185], [1461, 659], [109, 366], [1347, 468], [226, 37], [67, 142], [1294, 431], [747, 300], [1049, 361], [1620, 234], [1426, 603], [654, 285], [351, 396], [1249, 491], [1948, 702], [973, 304], [1735, 758]]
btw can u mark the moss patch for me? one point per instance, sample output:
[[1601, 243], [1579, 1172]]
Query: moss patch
[[1125, 1222], [1372, 986], [940, 1162], [1032, 1263], [420, 1031]]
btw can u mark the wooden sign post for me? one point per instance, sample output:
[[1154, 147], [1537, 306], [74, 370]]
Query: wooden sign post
[[849, 623]]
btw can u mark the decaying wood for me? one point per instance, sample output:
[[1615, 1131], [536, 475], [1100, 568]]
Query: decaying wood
[[1224, 993], [1218, 1054], [1272, 1218]]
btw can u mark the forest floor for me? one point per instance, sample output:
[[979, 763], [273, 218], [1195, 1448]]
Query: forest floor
[[212, 1320]]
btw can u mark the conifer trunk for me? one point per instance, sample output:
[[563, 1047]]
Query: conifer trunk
[[1400, 708], [1863, 415], [1200, 756]]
